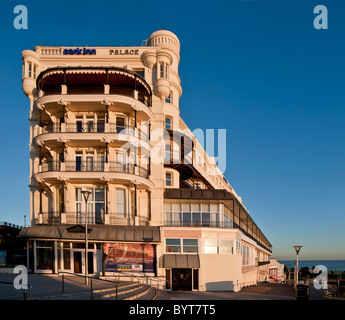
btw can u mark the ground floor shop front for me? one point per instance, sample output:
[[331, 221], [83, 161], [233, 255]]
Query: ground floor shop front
[[189, 260], [109, 250]]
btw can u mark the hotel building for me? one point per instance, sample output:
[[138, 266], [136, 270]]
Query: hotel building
[[107, 120]]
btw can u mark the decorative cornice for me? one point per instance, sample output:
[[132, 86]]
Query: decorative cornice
[[107, 102], [63, 102]]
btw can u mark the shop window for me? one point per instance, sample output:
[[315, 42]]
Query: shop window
[[44, 255]]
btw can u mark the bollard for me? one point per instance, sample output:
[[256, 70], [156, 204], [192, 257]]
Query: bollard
[[63, 283], [25, 294], [91, 289]]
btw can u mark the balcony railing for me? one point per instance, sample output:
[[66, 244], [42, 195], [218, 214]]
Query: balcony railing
[[92, 127], [93, 218], [94, 166], [212, 224]]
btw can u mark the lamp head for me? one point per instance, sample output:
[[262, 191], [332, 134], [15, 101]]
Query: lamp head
[[297, 248], [86, 194]]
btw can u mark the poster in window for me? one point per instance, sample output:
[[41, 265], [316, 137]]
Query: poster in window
[[136, 257]]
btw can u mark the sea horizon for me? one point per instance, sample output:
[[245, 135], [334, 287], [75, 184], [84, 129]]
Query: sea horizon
[[335, 265]]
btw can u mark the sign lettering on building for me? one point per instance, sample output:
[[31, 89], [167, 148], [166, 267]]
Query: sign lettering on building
[[79, 52], [120, 52]]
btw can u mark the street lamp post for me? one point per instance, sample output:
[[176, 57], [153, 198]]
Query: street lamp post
[[297, 248], [86, 195]]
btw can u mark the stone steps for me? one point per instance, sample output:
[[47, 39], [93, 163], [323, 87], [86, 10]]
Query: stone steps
[[126, 291]]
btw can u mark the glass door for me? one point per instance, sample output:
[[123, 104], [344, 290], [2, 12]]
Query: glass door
[[89, 162], [78, 161], [80, 206]]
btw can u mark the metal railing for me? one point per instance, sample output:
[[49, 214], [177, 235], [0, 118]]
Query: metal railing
[[94, 127], [25, 290], [210, 224], [116, 283], [110, 218], [215, 224], [93, 166], [148, 281]]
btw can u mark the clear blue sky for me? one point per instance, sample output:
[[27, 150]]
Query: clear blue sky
[[257, 68]]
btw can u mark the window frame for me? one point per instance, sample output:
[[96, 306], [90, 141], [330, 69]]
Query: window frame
[[182, 246], [171, 179]]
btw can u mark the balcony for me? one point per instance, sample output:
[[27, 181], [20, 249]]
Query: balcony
[[93, 81], [263, 263], [209, 224], [52, 218], [94, 166], [91, 127]]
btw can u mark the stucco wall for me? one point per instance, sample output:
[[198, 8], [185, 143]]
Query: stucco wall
[[219, 272]]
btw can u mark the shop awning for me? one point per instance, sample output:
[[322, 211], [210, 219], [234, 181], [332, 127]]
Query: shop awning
[[180, 261], [95, 233]]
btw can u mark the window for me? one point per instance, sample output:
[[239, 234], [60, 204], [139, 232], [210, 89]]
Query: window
[[44, 255], [173, 245], [141, 73], [29, 69], [225, 246], [166, 69], [195, 214], [211, 246], [35, 71], [167, 155], [215, 246], [99, 201], [61, 200], [188, 245], [121, 202], [168, 179], [168, 123], [120, 124], [95, 205], [169, 99]]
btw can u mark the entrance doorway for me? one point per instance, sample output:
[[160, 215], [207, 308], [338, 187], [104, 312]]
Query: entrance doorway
[[182, 279], [78, 262]]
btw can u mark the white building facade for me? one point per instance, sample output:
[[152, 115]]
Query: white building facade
[[107, 120]]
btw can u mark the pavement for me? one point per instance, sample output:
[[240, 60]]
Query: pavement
[[50, 285], [264, 291]]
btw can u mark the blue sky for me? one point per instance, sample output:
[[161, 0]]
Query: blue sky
[[258, 69]]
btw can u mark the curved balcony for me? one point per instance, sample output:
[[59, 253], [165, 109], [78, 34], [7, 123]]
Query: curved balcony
[[100, 102], [85, 134], [94, 170], [92, 80]]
